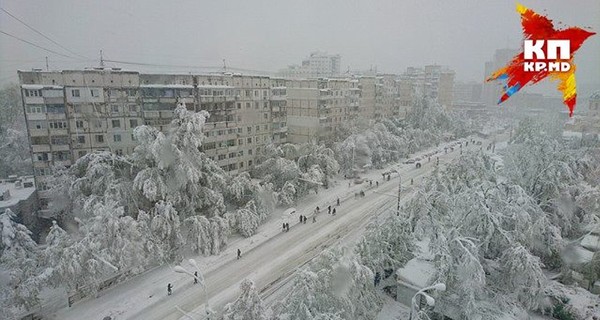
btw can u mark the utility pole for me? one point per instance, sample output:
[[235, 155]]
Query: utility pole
[[101, 59], [47, 68], [399, 190]]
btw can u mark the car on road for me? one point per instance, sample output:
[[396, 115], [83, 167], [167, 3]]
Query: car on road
[[409, 161]]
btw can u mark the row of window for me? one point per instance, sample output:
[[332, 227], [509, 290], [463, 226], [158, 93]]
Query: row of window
[[45, 108]]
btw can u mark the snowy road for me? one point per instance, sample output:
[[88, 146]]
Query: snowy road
[[269, 263]]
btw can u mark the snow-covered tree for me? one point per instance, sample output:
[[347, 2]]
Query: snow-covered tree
[[334, 285], [387, 246], [248, 306], [19, 259]]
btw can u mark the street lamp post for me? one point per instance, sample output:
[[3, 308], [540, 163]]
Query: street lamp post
[[430, 300], [199, 278]]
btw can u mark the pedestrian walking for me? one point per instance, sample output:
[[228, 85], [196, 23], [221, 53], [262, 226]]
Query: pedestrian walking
[[412, 181], [377, 184], [196, 277], [239, 252], [301, 219], [348, 184], [169, 289], [284, 226], [370, 183], [314, 219], [318, 209], [388, 177], [333, 211], [287, 227], [338, 201], [329, 210], [305, 219]]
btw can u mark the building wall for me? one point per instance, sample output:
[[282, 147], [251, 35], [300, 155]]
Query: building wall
[[71, 113]]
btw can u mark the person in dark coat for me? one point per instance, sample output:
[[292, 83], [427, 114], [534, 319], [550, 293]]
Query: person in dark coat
[[239, 252], [196, 277], [329, 210], [169, 289], [333, 211], [314, 219], [301, 219], [338, 201], [284, 226]]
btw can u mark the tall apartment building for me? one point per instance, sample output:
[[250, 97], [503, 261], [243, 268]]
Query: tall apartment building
[[317, 107], [317, 65], [71, 113], [431, 81], [492, 91]]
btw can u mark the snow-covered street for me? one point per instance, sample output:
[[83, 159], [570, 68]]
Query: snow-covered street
[[268, 258]]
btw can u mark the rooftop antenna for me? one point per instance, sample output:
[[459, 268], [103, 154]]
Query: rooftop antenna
[[224, 66], [47, 68], [101, 59]]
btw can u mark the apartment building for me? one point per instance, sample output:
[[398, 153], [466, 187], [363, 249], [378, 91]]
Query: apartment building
[[432, 81], [70, 113], [318, 107], [316, 65]]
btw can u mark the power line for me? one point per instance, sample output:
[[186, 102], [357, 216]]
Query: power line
[[37, 46], [41, 34]]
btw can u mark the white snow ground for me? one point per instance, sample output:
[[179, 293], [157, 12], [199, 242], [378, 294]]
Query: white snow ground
[[269, 258]]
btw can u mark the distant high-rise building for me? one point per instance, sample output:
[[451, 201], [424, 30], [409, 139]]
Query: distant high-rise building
[[493, 90], [317, 65], [432, 81]]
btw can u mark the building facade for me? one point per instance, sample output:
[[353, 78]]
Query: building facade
[[316, 65], [72, 113]]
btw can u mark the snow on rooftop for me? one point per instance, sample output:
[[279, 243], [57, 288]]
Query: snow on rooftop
[[39, 86], [16, 194], [417, 272], [591, 242]]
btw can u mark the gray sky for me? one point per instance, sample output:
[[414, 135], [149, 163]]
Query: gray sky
[[270, 34]]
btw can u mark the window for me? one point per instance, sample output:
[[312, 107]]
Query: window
[[59, 140], [77, 109], [231, 142], [249, 140], [250, 151], [75, 93], [241, 165], [81, 153], [94, 92], [132, 108], [249, 163], [232, 155], [116, 123], [266, 115], [117, 138], [133, 123], [247, 105], [97, 123], [221, 157], [249, 129], [119, 152], [80, 139], [241, 153], [39, 140], [41, 156], [255, 105], [240, 142], [257, 128], [239, 105], [79, 124], [33, 93], [239, 130], [100, 138], [114, 108], [55, 108]]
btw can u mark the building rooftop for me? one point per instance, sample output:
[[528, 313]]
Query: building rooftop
[[16, 191]]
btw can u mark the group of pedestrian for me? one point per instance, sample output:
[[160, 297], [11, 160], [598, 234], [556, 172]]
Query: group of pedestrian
[[286, 227], [303, 219]]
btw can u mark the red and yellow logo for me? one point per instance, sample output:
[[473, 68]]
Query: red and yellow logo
[[546, 52]]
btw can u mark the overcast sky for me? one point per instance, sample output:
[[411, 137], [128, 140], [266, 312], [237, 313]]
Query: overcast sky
[[270, 34]]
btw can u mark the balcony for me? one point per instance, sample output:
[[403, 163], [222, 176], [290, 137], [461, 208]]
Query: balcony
[[40, 148]]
